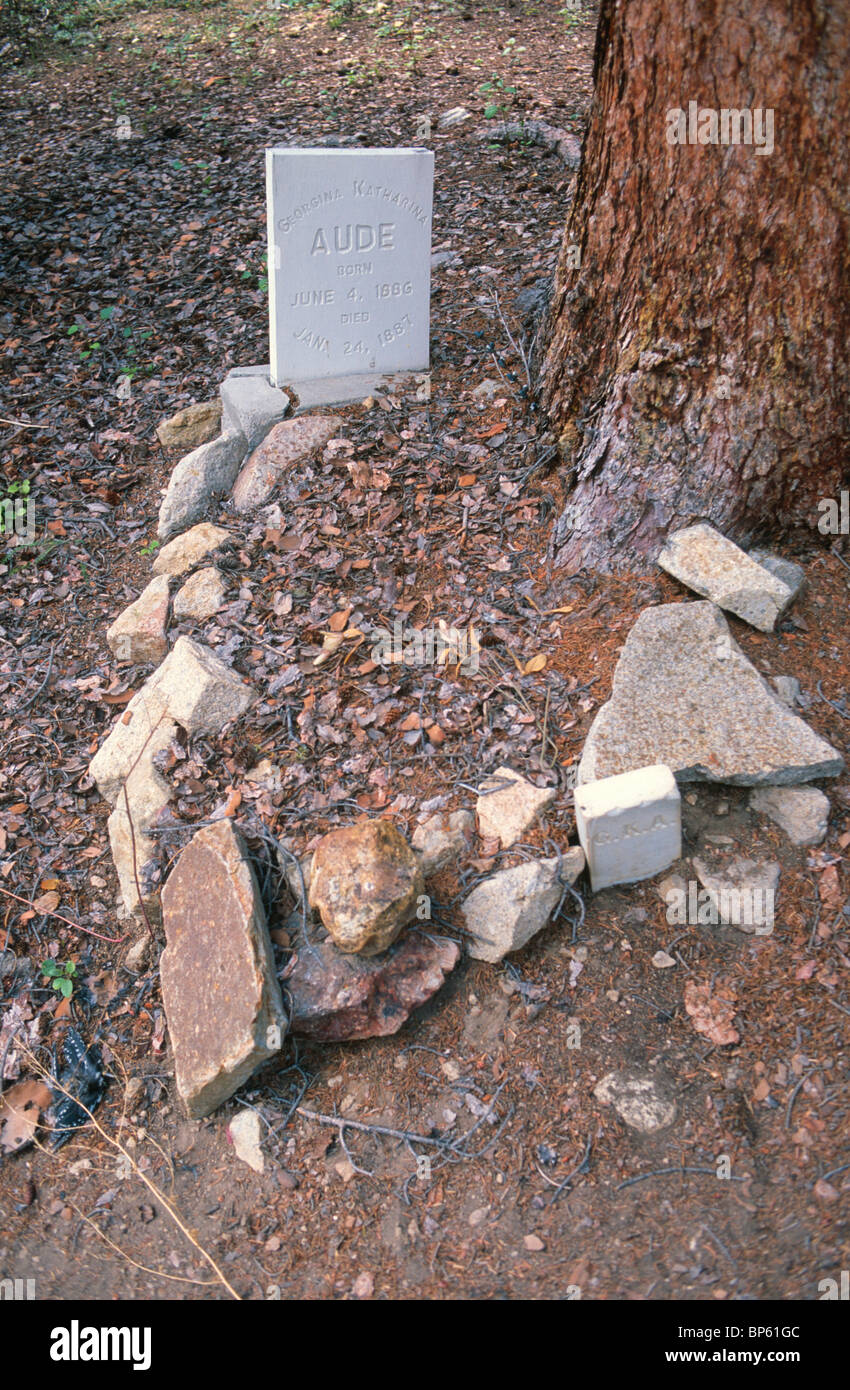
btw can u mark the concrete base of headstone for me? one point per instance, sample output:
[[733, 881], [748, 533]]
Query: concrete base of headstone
[[630, 826], [253, 405]]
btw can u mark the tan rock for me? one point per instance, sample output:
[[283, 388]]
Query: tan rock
[[222, 999], [282, 447], [706, 561], [198, 690], [508, 909], [194, 425], [201, 596], [188, 550], [138, 635], [142, 730], [511, 810], [193, 688], [134, 852], [685, 695], [364, 882]]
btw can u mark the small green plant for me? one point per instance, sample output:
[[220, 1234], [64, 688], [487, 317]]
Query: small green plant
[[61, 975], [499, 88], [150, 548]]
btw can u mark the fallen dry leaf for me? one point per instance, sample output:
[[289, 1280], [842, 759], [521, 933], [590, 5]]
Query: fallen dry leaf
[[48, 902]]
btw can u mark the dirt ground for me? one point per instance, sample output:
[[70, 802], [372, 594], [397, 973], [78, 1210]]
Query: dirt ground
[[143, 259]]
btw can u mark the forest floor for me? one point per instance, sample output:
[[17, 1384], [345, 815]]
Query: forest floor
[[143, 258]]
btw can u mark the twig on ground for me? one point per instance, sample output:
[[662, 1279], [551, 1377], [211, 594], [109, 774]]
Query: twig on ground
[[58, 915], [56, 1085], [579, 1168], [669, 1172], [20, 708]]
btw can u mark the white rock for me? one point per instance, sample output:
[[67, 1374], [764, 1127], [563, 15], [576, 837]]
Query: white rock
[[662, 961], [506, 910], [187, 550], [487, 389], [629, 826], [455, 116], [244, 1131], [788, 689], [513, 808], [201, 596], [637, 1099], [742, 893], [802, 812], [704, 560], [791, 574], [138, 634], [143, 730], [134, 852]]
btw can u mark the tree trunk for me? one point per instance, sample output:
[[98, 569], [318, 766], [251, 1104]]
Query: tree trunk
[[697, 361]]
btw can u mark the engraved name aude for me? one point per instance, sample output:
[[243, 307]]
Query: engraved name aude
[[353, 237]]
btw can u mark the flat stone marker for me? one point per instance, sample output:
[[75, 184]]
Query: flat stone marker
[[222, 999], [684, 695], [349, 235], [630, 826]]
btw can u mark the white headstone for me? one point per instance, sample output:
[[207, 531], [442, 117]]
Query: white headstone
[[349, 261], [630, 825]]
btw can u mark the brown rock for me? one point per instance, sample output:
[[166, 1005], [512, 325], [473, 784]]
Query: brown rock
[[364, 882], [190, 427], [336, 997], [222, 999], [283, 446]]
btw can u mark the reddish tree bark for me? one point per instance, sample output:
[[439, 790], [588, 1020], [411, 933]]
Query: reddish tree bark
[[697, 361]]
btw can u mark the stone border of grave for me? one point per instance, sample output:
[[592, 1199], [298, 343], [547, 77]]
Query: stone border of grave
[[355, 973], [252, 410]]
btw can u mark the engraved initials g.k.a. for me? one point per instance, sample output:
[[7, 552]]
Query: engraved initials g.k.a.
[[629, 832], [353, 237]]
